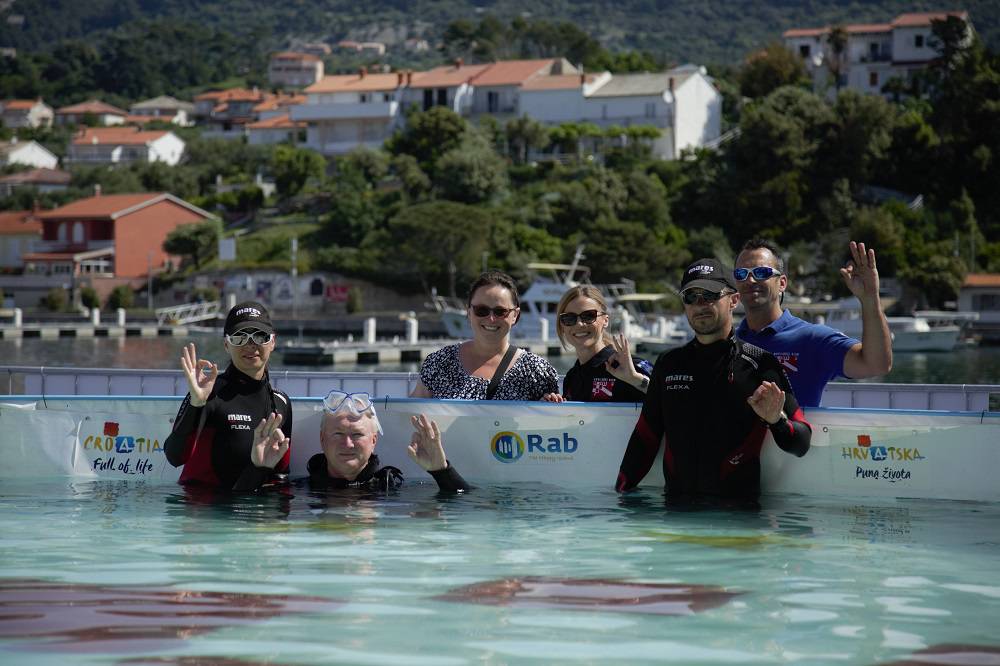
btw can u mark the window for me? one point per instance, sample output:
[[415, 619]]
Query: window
[[873, 79], [77, 233], [873, 50], [492, 102], [983, 302], [918, 41], [365, 97], [428, 99], [442, 97], [386, 97], [804, 50], [650, 109], [61, 233]]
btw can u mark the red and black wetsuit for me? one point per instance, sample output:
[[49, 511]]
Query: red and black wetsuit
[[697, 398], [591, 382], [221, 455]]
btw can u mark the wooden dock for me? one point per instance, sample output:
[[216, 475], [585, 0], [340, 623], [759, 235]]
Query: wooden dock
[[54, 331]]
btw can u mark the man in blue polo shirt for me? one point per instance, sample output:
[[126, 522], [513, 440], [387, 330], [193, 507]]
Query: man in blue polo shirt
[[811, 354]]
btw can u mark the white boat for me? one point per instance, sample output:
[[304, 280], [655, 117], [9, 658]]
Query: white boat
[[923, 331]]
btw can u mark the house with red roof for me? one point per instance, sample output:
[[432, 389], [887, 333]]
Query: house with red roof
[[448, 85], [276, 129], [225, 113], [497, 90], [980, 293], [26, 113], [875, 53], [79, 114], [42, 181], [103, 241], [163, 108], [124, 145], [20, 233], [290, 69]]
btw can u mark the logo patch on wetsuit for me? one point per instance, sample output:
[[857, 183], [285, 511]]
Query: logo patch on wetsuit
[[601, 388], [239, 421], [788, 360], [677, 382]]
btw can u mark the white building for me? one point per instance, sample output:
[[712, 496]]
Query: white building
[[348, 111], [874, 53], [294, 70], [104, 114], [26, 113], [124, 145], [43, 181], [682, 103], [275, 129], [497, 90], [29, 153], [163, 108]]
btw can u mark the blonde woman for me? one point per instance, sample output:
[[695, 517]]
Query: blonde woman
[[605, 370]]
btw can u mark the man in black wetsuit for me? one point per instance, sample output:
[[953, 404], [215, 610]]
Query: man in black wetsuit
[[713, 401], [348, 434], [232, 430]]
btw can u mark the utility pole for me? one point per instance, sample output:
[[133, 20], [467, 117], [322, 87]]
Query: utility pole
[[295, 275], [149, 280]]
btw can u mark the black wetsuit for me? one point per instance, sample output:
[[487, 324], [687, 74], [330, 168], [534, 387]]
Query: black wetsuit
[[374, 477], [591, 382], [221, 455], [698, 398]]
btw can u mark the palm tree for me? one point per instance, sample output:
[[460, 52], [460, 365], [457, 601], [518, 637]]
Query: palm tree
[[837, 40]]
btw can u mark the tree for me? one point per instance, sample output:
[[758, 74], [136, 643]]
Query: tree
[[89, 298], [121, 297], [197, 241], [837, 41], [428, 135], [766, 71], [55, 300], [525, 134], [471, 172], [292, 167]]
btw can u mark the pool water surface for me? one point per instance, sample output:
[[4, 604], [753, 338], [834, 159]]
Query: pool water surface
[[127, 573]]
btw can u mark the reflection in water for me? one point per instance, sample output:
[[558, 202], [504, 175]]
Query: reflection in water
[[107, 618], [953, 655], [593, 595], [200, 660]]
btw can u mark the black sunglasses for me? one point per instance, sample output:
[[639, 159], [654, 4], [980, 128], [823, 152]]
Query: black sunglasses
[[485, 311], [587, 317], [759, 273], [691, 297]]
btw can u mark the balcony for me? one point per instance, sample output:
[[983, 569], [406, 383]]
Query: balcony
[[68, 246], [343, 147], [345, 111]]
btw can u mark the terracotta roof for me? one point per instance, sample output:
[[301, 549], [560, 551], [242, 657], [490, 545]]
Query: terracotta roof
[[21, 104], [277, 122], [48, 176], [292, 55], [355, 83], [113, 206], [805, 32], [512, 72], [93, 106], [867, 28], [19, 222], [446, 76], [275, 102], [557, 82], [233, 95], [982, 280], [119, 136], [919, 19]]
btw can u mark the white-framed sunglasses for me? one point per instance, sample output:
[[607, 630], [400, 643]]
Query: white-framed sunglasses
[[356, 403], [243, 337]]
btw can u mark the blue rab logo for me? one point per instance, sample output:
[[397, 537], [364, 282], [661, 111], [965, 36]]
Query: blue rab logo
[[124, 444], [507, 447]]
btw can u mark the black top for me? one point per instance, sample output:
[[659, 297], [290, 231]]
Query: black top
[[591, 382], [375, 477], [220, 456], [697, 400]]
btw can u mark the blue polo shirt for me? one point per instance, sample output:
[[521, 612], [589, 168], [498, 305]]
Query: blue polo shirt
[[811, 354]]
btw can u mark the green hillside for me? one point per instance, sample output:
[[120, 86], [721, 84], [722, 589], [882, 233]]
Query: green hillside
[[670, 30]]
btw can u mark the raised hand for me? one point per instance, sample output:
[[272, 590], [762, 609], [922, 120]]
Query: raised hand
[[425, 447], [553, 397], [269, 442], [861, 275], [200, 375], [620, 363], [767, 401]]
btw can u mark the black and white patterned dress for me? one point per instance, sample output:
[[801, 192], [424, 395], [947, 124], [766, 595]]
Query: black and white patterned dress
[[529, 377]]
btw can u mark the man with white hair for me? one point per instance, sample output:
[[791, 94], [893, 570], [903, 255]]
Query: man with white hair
[[348, 434]]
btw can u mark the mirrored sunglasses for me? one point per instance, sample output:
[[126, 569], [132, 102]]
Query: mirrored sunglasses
[[243, 337], [693, 296], [587, 317], [759, 273], [484, 311]]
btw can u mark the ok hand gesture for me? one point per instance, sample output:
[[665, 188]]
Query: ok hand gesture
[[620, 363], [200, 375], [269, 443], [425, 447]]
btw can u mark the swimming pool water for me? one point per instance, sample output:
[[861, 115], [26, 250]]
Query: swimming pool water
[[127, 573]]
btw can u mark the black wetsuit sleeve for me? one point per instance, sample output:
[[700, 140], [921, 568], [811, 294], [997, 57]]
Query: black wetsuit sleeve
[[792, 434], [178, 444], [644, 443], [449, 480], [254, 477]]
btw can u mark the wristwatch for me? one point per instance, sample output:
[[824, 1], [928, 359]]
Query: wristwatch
[[644, 384]]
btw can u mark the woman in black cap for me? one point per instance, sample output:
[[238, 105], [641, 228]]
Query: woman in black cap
[[233, 430]]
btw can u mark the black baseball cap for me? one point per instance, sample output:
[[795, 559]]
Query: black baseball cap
[[249, 314], [708, 274]]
